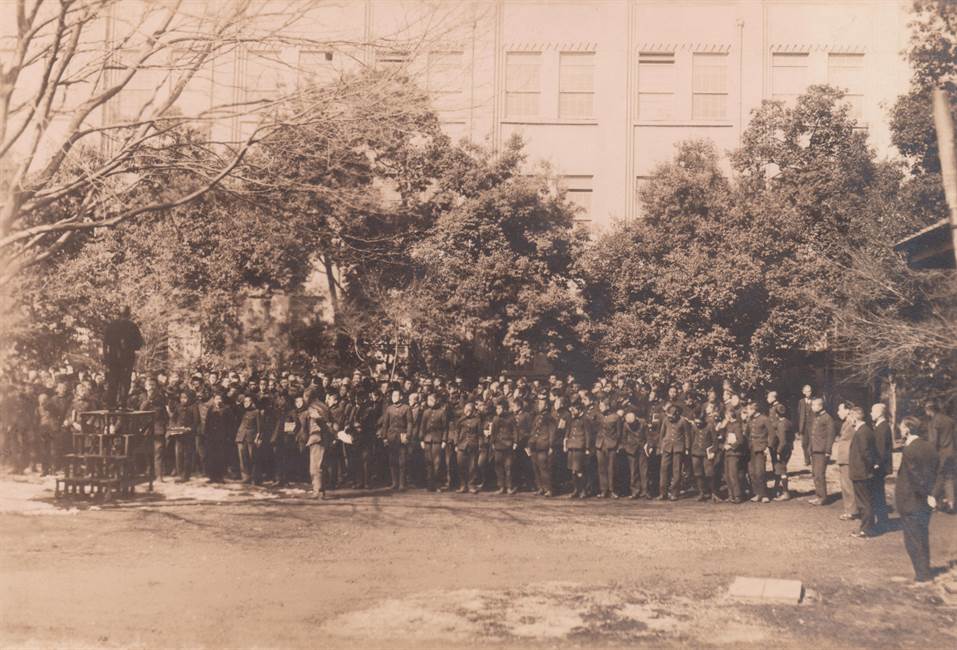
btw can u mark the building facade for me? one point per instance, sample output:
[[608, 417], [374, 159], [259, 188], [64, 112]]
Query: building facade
[[602, 90]]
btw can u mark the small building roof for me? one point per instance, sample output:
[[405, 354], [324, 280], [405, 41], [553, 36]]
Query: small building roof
[[929, 248]]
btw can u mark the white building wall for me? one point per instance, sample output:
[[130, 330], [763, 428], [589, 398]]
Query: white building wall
[[606, 152]]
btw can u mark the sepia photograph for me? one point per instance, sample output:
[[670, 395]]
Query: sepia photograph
[[478, 324]]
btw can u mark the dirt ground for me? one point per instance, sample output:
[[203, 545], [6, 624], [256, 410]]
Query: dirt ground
[[199, 567]]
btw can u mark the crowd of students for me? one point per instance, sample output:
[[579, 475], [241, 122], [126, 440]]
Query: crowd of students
[[553, 437]]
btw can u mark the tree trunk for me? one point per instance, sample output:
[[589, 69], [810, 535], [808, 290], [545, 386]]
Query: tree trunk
[[333, 289], [892, 404], [395, 360]]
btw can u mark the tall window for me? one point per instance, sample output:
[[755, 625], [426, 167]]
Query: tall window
[[522, 83], [709, 87], [576, 85], [262, 79], [445, 75], [656, 86], [846, 71], [578, 190], [789, 75], [317, 66]]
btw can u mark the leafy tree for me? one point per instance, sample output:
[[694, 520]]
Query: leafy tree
[[900, 324], [304, 195], [352, 187], [67, 84], [933, 43], [192, 265], [933, 58], [813, 189], [724, 279], [497, 266], [679, 293], [891, 320]]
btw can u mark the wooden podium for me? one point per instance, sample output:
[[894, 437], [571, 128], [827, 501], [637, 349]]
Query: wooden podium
[[111, 453]]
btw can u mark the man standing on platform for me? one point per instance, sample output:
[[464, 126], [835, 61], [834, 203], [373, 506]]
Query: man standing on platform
[[121, 340]]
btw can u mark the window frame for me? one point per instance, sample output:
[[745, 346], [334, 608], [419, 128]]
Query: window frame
[[695, 93], [658, 59], [562, 66], [794, 56], [537, 114]]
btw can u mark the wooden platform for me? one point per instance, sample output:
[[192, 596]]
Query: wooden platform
[[112, 452]]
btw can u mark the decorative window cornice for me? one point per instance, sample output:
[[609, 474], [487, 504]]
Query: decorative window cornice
[[799, 48], [543, 47], [687, 47]]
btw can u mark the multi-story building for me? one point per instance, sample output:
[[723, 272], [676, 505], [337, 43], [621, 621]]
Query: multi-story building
[[602, 90]]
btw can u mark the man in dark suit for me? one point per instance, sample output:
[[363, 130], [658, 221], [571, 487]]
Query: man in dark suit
[[942, 433], [863, 466], [805, 418], [912, 495], [121, 340], [884, 441]]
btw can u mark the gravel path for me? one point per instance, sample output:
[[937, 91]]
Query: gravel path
[[205, 567]]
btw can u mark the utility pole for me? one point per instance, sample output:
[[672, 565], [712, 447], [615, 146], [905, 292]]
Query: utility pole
[[944, 124]]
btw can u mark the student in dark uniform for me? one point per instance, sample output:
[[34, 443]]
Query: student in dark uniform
[[416, 459], [54, 416], [396, 435], [504, 442], [217, 428], [675, 445], [714, 458], [522, 464], [634, 435], [759, 434], [781, 443], [184, 423], [433, 435], [821, 441], [468, 432], [735, 451], [577, 439], [702, 443], [154, 400], [249, 436], [607, 439], [455, 408], [913, 495], [541, 445]]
